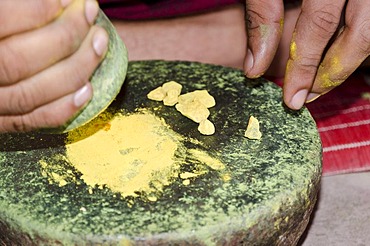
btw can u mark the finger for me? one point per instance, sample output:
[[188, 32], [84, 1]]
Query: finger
[[316, 25], [264, 29], [348, 51], [51, 115], [57, 81], [24, 15], [25, 54]]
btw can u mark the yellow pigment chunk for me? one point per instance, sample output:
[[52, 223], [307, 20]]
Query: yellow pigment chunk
[[171, 97], [195, 111], [200, 95], [138, 150], [253, 129], [157, 94], [206, 127], [172, 85]]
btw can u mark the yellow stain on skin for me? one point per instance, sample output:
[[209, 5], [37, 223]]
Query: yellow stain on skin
[[293, 50], [326, 73], [281, 25]]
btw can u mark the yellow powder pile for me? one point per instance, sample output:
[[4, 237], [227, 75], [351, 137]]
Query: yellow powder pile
[[136, 153], [132, 153]]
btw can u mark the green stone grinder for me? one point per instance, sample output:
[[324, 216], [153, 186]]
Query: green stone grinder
[[106, 81], [263, 195]]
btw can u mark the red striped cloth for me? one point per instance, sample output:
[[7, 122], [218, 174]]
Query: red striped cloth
[[343, 121]]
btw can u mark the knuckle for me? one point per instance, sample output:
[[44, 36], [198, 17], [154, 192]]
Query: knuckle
[[21, 123], [324, 22], [20, 100], [309, 63], [69, 37], [255, 16], [12, 64], [73, 30], [46, 10], [363, 40]]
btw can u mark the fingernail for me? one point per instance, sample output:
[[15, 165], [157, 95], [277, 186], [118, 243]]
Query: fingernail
[[65, 3], [312, 97], [249, 62], [299, 99], [91, 10], [100, 43], [82, 96]]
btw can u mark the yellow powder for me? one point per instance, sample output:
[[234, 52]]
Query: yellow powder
[[55, 173], [132, 154], [129, 154], [208, 160], [137, 151]]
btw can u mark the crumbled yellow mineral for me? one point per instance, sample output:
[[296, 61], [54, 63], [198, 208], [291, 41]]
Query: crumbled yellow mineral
[[193, 105], [171, 97], [206, 127], [201, 95], [195, 110], [253, 129], [158, 94], [172, 85]]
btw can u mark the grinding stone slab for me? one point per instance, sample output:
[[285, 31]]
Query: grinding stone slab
[[268, 200]]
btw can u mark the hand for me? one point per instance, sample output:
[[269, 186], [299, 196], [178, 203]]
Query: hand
[[320, 57], [49, 49], [264, 20]]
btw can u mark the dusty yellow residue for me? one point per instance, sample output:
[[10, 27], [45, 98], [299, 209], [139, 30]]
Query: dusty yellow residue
[[55, 173], [137, 151], [293, 50], [326, 73], [205, 158], [281, 25]]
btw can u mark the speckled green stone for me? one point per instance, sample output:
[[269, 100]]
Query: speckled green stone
[[268, 200], [106, 80]]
